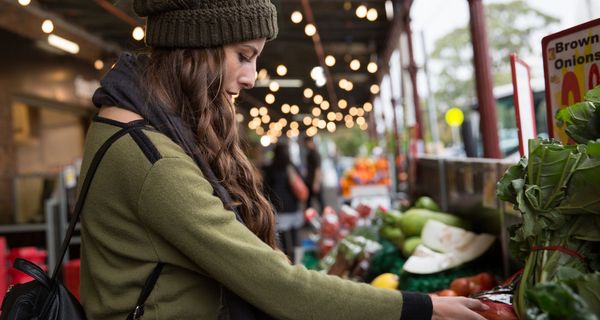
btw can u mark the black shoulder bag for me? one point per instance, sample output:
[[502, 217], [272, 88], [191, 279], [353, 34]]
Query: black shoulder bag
[[45, 298]]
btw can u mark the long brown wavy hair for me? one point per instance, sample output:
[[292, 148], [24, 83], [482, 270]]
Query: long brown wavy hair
[[189, 83]]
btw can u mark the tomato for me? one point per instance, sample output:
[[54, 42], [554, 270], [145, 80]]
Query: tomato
[[460, 286], [474, 288], [486, 281], [446, 293]]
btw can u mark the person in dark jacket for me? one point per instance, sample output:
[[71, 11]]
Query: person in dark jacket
[[278, 190]]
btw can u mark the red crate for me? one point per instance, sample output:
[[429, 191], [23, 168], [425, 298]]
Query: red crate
[[3, 267], [32, 254], [72, 279]]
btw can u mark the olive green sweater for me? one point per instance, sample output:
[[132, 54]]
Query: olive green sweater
[[149, 202]]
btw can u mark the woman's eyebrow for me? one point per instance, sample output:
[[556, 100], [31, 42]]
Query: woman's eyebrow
[[252, 48]]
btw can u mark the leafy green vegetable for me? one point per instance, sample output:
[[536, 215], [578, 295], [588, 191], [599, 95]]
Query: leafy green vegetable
[[582, 120], [588, 287], [584, 187], [557, 190], [557, 301]]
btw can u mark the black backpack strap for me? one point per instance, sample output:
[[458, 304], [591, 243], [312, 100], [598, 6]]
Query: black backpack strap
[[138, 311], [86, 187]]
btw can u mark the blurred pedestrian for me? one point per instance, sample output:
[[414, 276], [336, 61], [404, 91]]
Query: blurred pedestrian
[[313, 174], [278, 189]]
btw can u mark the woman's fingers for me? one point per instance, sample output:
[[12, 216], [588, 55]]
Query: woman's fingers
[[475, 304], [445, 308]]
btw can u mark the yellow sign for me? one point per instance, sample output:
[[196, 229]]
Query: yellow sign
[[454, 117], [571, 67]]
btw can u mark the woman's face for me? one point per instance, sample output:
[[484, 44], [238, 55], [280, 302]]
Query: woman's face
[[240, 66]]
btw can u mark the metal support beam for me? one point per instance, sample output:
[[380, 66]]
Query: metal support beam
[[27, 21], [483, 80], [412, 71], [110, 8]]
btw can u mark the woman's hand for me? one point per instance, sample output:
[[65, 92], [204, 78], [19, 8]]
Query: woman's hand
[[460, 308]]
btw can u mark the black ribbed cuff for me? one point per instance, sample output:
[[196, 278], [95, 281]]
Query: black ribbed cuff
[[416, 306]]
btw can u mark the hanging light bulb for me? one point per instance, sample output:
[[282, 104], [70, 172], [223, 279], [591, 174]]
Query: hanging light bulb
[[274, 86], [281, 70], [263, 74], [361, 11], [368, 106], [47, 26], [308, 93], [296, 17], [310, 29], [342, 104], [374, 89], [372, 67], [372, 14], [263, 111], [24, 3], [265, 141], [316, 111], [355, 64], [270, 98], [294, 109], [307, 121], [98, 64], [138, 33], [331, 116], [318, 99], [330, 61], [349, 86], [347, 5]]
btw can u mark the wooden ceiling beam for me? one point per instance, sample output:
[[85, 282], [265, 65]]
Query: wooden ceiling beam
[[27, 22]]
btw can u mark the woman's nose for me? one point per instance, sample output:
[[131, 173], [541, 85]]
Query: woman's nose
[[248, 77]]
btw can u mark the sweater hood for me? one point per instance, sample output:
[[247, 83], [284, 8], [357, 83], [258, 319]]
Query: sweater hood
[[121, 86]]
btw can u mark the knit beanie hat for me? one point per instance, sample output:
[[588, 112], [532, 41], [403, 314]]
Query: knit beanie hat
[[206, 23]]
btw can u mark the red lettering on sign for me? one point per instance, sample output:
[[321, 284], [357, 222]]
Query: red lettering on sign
[[593, 77], [570, 85]]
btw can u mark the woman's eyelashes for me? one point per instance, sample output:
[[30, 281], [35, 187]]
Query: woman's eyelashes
[[243, 58]]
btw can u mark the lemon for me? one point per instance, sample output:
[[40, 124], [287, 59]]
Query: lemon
[[386, 281]]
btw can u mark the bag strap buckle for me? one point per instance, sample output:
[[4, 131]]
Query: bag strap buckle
[[138, 312]]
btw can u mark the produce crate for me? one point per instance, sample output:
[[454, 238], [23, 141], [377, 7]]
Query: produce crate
[[31, 254], [72, 276], [3, 267]]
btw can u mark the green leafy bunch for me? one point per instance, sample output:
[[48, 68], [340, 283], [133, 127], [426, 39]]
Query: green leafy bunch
[[557, 190]]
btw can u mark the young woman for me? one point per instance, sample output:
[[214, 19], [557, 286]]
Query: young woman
[[170, 190]]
